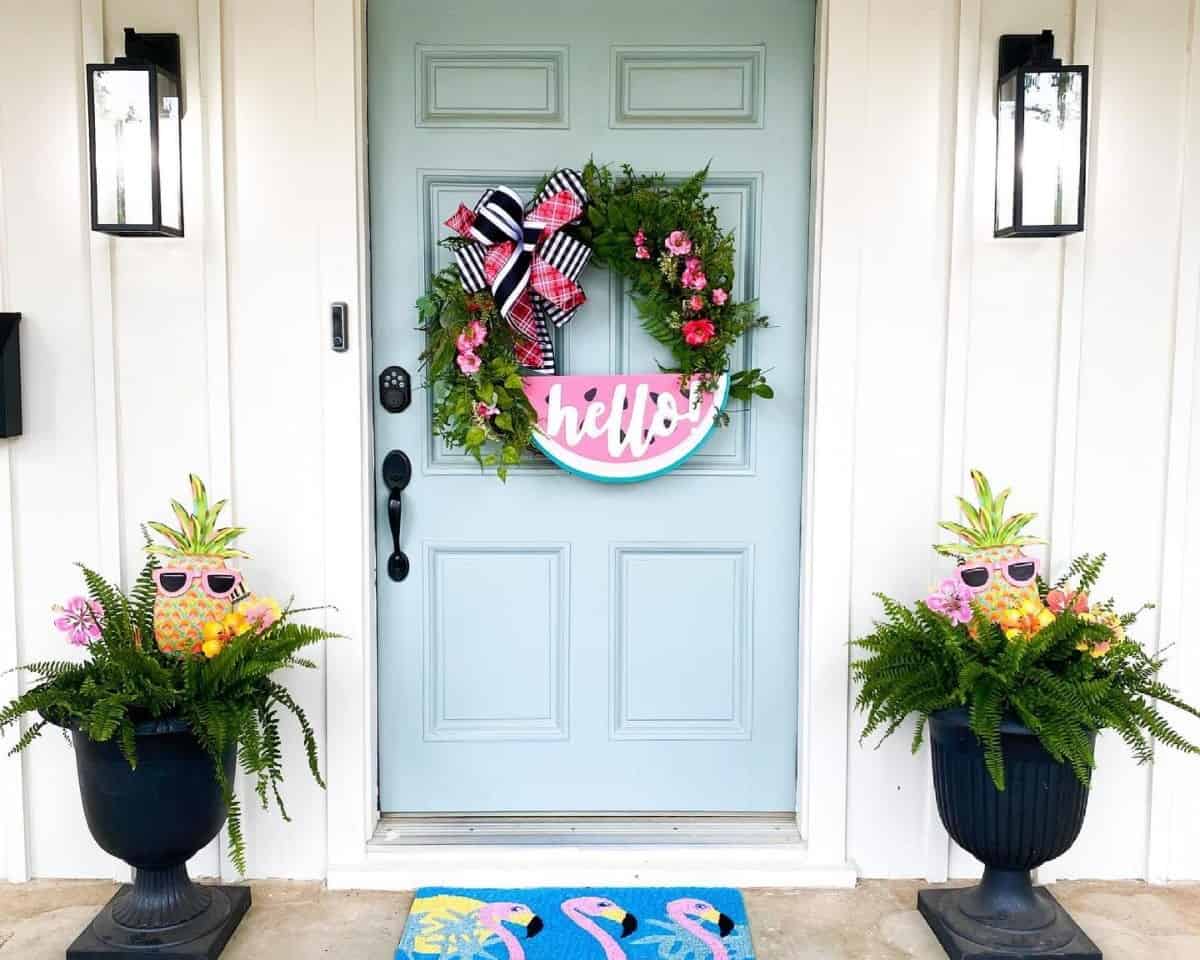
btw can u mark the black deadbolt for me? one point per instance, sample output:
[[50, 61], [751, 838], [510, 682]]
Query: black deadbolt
[[395, 389]]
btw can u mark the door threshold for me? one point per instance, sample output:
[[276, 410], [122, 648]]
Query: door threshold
[[612, 862], [604, 829]]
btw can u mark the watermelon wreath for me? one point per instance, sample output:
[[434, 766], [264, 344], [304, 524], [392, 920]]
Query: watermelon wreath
[[489, 316]]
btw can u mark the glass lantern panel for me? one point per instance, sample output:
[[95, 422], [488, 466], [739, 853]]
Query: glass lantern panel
[[123, 147], [169, 146], [1051, 148], [1006, 153]]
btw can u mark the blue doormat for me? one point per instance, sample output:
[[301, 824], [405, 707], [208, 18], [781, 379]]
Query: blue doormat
[[577, 923]]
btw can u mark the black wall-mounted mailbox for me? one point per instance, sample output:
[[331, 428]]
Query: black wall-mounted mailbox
[[10, 374]]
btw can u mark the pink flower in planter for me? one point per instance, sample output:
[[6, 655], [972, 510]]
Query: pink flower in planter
[[678, 243], [485, 410], [639, 238], [642, 253], [80, 621], [1059, 601], [952, 600], [720, 297], [695, 303], [469, 363]]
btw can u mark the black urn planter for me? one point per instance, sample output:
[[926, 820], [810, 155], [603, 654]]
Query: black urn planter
[[156, 818], [1034, 819]]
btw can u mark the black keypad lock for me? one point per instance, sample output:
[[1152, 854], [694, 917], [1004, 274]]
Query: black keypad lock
[[395, 389]]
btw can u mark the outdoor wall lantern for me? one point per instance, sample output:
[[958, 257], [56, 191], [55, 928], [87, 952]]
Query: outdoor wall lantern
[[134, 111], [1041, 140]]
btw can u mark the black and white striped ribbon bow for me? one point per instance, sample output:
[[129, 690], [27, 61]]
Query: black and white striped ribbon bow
[[530, 264]]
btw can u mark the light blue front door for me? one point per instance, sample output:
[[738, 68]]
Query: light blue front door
[[563, 645]]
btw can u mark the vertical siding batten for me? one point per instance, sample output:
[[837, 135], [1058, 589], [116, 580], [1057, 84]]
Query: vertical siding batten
[[959, 275], [104, 349], [1070, 339], [1169, 777], [209, 101]]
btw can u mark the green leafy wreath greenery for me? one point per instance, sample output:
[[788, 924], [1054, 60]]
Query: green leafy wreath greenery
[[636, 224]]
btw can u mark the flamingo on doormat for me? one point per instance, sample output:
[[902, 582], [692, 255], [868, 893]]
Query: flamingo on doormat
[[451, 926], [581, 910], [687, 912]]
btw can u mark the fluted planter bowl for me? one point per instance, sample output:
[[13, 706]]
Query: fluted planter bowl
[[155, 818], [1036, 818]]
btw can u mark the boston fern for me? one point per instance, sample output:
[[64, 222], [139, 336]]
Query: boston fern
[[228, 698], [1061, 665]]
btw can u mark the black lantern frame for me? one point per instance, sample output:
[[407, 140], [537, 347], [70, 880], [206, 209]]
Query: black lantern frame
[[1022, 57], [156, 56]]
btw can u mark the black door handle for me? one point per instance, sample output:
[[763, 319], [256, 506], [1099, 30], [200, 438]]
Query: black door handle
[[397, 472]]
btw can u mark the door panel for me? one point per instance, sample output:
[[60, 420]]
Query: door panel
[[562, 645]]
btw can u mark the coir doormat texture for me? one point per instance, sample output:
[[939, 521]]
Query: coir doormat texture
[[577, 923]]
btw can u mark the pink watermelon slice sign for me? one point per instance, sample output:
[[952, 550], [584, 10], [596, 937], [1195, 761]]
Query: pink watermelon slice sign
[[619, 429]]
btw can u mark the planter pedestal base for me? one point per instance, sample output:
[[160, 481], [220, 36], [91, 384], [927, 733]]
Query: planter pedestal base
[[201, 937], [1043, 931]]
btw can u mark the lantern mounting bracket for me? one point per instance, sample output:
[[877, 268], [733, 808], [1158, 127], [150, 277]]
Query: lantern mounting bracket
[[1026, 49], [159, 49]]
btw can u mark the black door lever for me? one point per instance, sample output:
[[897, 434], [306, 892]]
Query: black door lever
[[397, 472]]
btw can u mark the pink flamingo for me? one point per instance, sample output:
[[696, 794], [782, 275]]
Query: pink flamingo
[[492, 917], [687, 912], [445, 909], [580, 910]]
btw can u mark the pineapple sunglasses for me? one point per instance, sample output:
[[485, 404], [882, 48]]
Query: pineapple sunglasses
[[218, 582], [1019, 571]]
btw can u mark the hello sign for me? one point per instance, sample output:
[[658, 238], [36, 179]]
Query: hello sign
[[621, 429]]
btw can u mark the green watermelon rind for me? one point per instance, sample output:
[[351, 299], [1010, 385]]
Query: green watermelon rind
[[550, 450]]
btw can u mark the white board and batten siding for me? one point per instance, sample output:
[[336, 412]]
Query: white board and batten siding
[[1067, 368]]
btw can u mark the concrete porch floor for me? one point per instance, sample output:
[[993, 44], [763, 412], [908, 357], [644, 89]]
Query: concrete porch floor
[[876, 921]]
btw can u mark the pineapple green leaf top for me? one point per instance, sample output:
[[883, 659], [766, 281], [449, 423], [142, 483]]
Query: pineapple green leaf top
[[197, 534], [986, 525]]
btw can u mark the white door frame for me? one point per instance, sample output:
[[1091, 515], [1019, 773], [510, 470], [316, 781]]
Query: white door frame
[[820, 858]]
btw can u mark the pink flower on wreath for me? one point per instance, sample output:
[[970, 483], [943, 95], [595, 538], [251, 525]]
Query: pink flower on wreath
[[1059, 601], [953, 600], [642, 253], [464, 343], [639, 238], [469, 363], [720, 297], [485, 410], [698, 332], [695, 303], [678, 243], [476, 333], [80, 621], [693, 275]]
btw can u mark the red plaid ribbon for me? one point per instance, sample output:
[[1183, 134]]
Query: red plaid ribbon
[[532, 275]]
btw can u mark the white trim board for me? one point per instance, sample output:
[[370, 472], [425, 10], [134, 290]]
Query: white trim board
[[766, 865]]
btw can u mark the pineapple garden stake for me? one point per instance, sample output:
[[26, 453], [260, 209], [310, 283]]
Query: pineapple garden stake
[[991, 561], [196, 586]]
